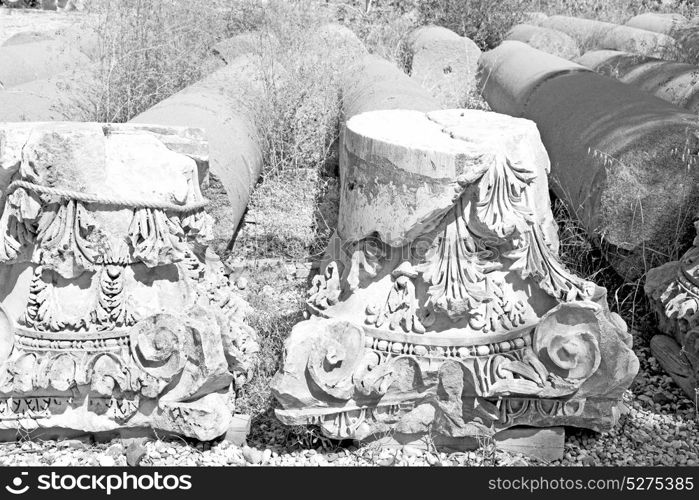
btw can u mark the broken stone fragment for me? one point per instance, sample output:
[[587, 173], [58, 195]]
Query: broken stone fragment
[[673, 290]]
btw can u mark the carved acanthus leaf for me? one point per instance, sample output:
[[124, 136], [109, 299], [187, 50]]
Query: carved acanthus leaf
[[365, 256], [501, 204], [112, 308], [503, 208], [63, 238], [400, 308], [456, 269], [155, 238], [43, 312], [502, 310], [191, 267], [18, 223], [533, 258]]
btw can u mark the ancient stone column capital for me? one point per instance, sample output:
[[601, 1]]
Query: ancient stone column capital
[[442, 306], [114, 314]]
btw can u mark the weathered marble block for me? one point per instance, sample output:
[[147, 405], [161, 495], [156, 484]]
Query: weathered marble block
[[673, 290], [114, 313], [442, 307]]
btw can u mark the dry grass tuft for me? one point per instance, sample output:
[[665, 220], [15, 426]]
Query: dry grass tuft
[[150, 50]]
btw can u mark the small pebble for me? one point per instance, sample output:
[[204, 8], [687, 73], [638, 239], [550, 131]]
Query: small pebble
[[115, 450], [252, 455], [135, 452], [412, 451]]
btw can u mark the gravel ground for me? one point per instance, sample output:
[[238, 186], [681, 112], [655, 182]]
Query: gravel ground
[[159, 453]]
